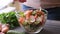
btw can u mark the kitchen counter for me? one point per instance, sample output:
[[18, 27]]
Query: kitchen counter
[[51, 27]]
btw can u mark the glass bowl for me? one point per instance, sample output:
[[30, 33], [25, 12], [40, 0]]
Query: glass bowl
[[32, 25]]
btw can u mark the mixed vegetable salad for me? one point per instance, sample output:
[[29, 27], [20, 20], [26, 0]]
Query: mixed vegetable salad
[[32, 20], [9, 18]]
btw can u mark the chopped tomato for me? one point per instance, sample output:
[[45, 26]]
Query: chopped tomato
[[27, 16], [29, 12], [42, 22], [40, 12], [21, 20], [36, 16]]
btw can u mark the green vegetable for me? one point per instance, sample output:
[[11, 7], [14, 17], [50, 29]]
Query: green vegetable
[[21, 14], [9, 18], [34, 12], [44, 11], [14, 32], [36, 23], [25, 23]]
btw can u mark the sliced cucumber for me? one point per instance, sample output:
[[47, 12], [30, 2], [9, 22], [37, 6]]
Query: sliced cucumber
[[21, 14], [34, 12], [25, 23], [36, 22], [32, 19]]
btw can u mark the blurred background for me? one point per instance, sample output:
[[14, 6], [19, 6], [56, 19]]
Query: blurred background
[[52, 6], [8, 10]]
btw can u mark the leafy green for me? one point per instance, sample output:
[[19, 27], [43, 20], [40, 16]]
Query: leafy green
[[9, 18]]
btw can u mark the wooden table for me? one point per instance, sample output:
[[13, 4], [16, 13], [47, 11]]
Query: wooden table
[[51, 27]]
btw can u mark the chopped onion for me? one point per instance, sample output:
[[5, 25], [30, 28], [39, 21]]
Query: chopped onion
[[32, 19]]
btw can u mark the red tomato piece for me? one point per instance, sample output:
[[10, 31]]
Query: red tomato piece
[[21, 20], [36, 16]]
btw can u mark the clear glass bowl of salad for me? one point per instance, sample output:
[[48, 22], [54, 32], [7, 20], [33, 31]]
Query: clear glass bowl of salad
[[32, 21]]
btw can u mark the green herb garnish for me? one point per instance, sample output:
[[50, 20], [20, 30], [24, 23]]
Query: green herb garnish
[[9, 18]]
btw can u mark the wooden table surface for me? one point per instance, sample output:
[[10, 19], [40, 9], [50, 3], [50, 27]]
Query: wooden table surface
[[51, 27]]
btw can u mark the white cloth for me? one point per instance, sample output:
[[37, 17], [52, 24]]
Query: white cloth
[[6, 10], [4, 3]]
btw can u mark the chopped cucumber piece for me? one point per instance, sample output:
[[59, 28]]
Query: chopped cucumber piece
[[21, 14], [34, 12], [25, 23], [37, 22]]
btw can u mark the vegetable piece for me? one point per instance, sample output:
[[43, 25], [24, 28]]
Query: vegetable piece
[[33, 13], [36, 23], [32, 19], [21, 20], [25, 23], [44, 11], [38, 20], [42, 19], [21, 14], [36, 16], [5, 28], [39, 13], [28, 14], [9, 18], [14, 32]]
